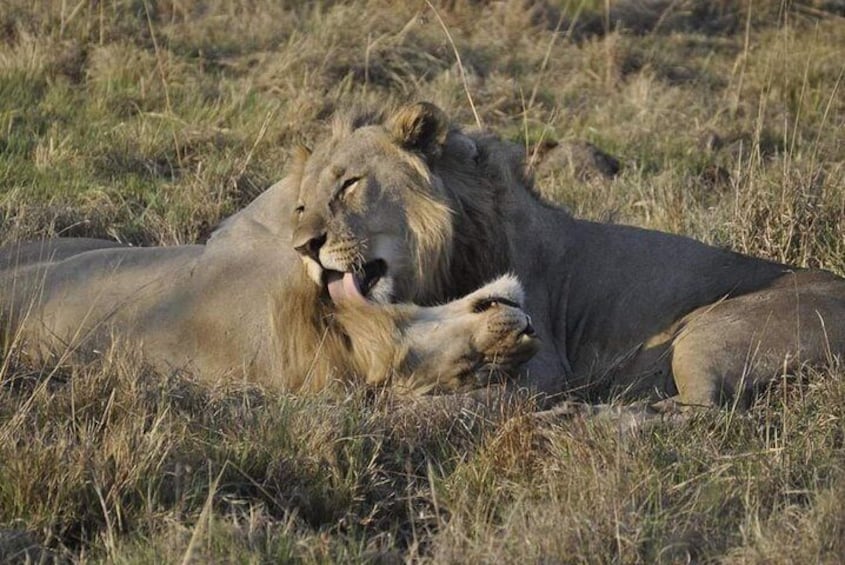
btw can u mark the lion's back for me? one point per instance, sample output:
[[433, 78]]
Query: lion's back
[[23, 254]]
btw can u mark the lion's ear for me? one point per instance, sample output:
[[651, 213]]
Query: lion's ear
[[300, 154], [420, 127]]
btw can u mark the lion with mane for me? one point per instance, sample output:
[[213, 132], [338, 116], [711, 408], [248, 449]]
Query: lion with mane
[[409, 207], [318, 275], [242, 306]]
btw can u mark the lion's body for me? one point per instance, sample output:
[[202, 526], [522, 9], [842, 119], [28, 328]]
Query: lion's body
[[241, 307], [615, 306], [168, 299], [643, 311], [648, 312]]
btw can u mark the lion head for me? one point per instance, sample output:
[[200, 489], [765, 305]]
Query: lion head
[[461, 345], [387, 204]]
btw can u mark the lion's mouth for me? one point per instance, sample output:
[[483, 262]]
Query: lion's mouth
[[354, 285]]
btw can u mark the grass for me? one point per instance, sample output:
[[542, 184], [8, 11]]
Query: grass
[[149, 121]]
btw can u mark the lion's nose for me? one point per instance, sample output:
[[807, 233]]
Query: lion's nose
[[309, 245], [529, 329]]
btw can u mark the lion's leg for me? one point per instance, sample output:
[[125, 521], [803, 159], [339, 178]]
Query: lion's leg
[[646, 372], [727, 350]]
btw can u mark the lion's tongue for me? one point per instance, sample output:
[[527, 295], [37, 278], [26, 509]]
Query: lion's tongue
[[344, 286]]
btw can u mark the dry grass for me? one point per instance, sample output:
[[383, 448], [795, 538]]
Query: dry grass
[[149, 121]]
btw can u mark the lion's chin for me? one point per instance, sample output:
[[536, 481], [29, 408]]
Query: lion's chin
[[383, 291]]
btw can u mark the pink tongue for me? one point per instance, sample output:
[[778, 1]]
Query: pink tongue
[[344, 287]]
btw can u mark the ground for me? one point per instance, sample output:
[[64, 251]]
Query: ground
[[148, 121]]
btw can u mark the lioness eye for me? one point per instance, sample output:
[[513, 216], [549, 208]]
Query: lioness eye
[[487, 303], [484, 305], [299, 209]]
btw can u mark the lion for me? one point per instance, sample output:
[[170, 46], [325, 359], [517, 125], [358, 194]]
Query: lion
[[242, 308], [618, 309]]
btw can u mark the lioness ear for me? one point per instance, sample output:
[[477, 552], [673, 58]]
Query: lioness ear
[[420, 127]]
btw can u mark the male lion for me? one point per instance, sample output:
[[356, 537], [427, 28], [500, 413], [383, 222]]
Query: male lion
[[410, 207], [242, 307]]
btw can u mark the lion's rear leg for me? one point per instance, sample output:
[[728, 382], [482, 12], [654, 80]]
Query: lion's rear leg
[[728, 350]]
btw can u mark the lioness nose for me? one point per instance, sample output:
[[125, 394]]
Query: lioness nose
[[309, 245], [529, 328]]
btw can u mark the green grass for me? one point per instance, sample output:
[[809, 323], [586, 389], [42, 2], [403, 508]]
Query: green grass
[[149, 121]]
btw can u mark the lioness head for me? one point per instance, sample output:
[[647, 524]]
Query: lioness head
[[460, 345], [471, 341], [374, 219]]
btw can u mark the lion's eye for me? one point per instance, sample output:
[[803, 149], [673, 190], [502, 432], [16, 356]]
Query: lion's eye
[[484, 305], [299, 210], [348, 184], [493, 302]]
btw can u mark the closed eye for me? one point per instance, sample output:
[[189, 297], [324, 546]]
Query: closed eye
[[348, 184], [492, 302]]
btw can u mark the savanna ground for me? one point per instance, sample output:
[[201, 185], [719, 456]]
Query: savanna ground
[[148, 121]]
